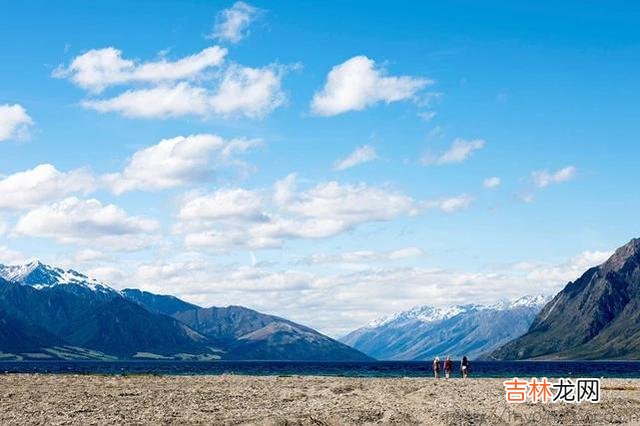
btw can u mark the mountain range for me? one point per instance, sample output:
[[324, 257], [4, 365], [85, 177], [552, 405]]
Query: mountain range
[[424, 332], [52, 313], [596, 316]]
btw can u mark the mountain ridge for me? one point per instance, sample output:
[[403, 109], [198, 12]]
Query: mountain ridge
[[58, 313]]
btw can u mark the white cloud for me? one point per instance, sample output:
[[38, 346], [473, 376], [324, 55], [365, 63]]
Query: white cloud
[[11, 257], [236, 204], [110, 275], [157, 102], [231, 24], [491, 182], [249, 92], [228, 218], [459, 151], [176, 162], [405, 253], [285, 190], [565, 271], [239, 146], [88, 255], [240, 218], [357, 84], [452, 204], [14, 122], [252, 92], [351, 204], [161, 276], [363, 256], [88, 222], [544, 178], [299, 294], [98, 69], [361, 155], [42, 184]]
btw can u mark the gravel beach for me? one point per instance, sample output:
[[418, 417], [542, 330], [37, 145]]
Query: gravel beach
[[230, 399]]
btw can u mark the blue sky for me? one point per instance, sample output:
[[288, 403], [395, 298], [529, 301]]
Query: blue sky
[[330, 162]]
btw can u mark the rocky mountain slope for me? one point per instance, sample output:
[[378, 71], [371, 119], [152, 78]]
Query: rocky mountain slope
[[595, 317]]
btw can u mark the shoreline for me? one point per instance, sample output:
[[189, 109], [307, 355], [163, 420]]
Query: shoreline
[[275, 400], [371, 370]]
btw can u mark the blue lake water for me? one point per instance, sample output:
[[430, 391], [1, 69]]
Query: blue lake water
[[609, 369]]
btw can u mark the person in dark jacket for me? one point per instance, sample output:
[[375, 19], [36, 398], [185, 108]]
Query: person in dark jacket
[[448, 367], [464, 367]]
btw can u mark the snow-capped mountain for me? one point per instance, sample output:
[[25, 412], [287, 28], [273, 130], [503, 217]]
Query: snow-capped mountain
[[38, 275], [426, 331], [429, 314]]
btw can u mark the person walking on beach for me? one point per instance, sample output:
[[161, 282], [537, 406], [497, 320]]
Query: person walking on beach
[[464, 367], [436, 367], [448, 366]]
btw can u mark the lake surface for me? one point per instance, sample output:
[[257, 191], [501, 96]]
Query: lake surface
[[609, 369]]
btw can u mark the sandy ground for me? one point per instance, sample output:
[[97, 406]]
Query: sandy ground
[[76, 399]]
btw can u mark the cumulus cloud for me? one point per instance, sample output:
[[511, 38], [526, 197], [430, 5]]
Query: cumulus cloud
[[249, 92], [252, 92], [363, 154], [14, 122], [459, 152], [98, 69], [227, 218], [240, 218], [232, 24], [358, 83], [351, 203], [200, 84], [42, 184], [236, 204], [544, 178], [157, 102], [73, 220], [176, 162], [491, 182]]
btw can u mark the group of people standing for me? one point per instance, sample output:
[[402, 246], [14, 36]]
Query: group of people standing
[[448, 367]]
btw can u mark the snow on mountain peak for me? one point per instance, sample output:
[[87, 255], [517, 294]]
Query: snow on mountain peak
[[420, 313], [530, 301], [428, 314], [38, 275]]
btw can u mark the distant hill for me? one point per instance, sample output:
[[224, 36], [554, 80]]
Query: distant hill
[[595, 317], [425, 331], [248, 334]]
